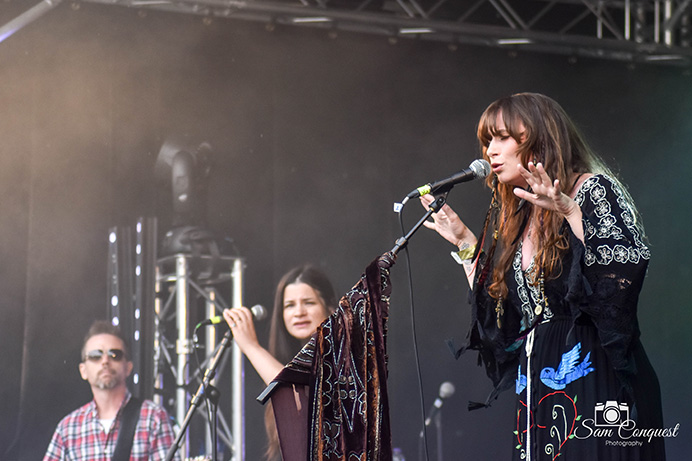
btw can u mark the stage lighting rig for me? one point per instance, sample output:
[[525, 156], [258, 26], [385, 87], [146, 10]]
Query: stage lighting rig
[[193, 275], [185, 167]]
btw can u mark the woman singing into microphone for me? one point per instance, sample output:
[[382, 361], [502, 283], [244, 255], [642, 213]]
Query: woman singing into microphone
[[555, 277]]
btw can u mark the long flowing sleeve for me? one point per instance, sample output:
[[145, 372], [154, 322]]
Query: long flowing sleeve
[[614, 265], [330, 401]]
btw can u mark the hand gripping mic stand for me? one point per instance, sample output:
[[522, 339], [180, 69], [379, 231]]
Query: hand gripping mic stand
[[205, 390], [434, 208]]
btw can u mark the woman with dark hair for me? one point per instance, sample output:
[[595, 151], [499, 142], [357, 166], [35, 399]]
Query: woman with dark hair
[[555, 279], [304, 299]]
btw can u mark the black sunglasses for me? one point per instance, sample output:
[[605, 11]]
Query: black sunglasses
[[97, 354]]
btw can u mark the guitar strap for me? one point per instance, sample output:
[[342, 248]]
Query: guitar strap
[[123, 446]]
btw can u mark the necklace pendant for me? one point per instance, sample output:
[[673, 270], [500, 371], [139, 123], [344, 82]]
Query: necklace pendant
[[539, 308], [499, 310]]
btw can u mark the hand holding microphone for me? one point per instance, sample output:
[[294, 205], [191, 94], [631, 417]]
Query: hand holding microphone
[[241, 322], [448, 224], [445, 221], [478, 169], [258, 311]]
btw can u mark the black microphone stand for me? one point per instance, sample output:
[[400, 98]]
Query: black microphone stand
[[434, 208], [436, 419], [401, 244], [438, 429], [205, 390]]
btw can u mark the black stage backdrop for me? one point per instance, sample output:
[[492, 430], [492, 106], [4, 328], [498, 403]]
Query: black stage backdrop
[[314, 138]]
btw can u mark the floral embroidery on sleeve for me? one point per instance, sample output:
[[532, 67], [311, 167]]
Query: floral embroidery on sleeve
[[610, 232]]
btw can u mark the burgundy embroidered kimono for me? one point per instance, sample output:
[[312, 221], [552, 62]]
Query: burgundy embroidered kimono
[[330, 401]]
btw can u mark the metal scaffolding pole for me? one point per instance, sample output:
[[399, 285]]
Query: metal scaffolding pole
[[26, 18], [210, 342], [238, 373], [178, 277], [183, 344]]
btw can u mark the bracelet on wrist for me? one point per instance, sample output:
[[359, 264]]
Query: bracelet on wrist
[[465, 254]]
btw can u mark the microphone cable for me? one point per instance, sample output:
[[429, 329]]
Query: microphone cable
[[208, 399], [414, 334]]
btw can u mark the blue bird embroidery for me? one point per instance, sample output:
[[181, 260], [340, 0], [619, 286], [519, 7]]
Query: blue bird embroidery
[[521, 381], [568, 370]]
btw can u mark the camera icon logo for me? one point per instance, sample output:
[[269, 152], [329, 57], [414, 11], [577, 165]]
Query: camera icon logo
[[611, 413]]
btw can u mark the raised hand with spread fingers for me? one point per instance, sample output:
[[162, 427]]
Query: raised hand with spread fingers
[[547, 193]]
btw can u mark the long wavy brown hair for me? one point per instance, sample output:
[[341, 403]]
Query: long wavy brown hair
[[282, 345], [545, 134]]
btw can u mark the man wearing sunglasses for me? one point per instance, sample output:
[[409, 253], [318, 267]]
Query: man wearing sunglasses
[[93, 432]]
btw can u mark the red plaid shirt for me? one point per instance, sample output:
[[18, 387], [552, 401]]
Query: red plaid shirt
[[80, 436]]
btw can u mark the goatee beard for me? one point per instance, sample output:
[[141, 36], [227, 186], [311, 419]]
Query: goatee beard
[[107, 384]]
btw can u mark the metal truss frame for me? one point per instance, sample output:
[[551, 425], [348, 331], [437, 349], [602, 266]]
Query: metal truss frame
[[156, 302], [635, 31], [177, 285]]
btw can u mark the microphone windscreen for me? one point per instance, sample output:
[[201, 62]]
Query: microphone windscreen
[[481, 168], [259, 312], [446, 390]]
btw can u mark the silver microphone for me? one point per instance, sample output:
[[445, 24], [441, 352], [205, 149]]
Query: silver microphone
[[258, 312], [446, 391], [478, 169]]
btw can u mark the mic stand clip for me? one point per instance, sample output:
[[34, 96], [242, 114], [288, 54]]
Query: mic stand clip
[[433, 208]]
